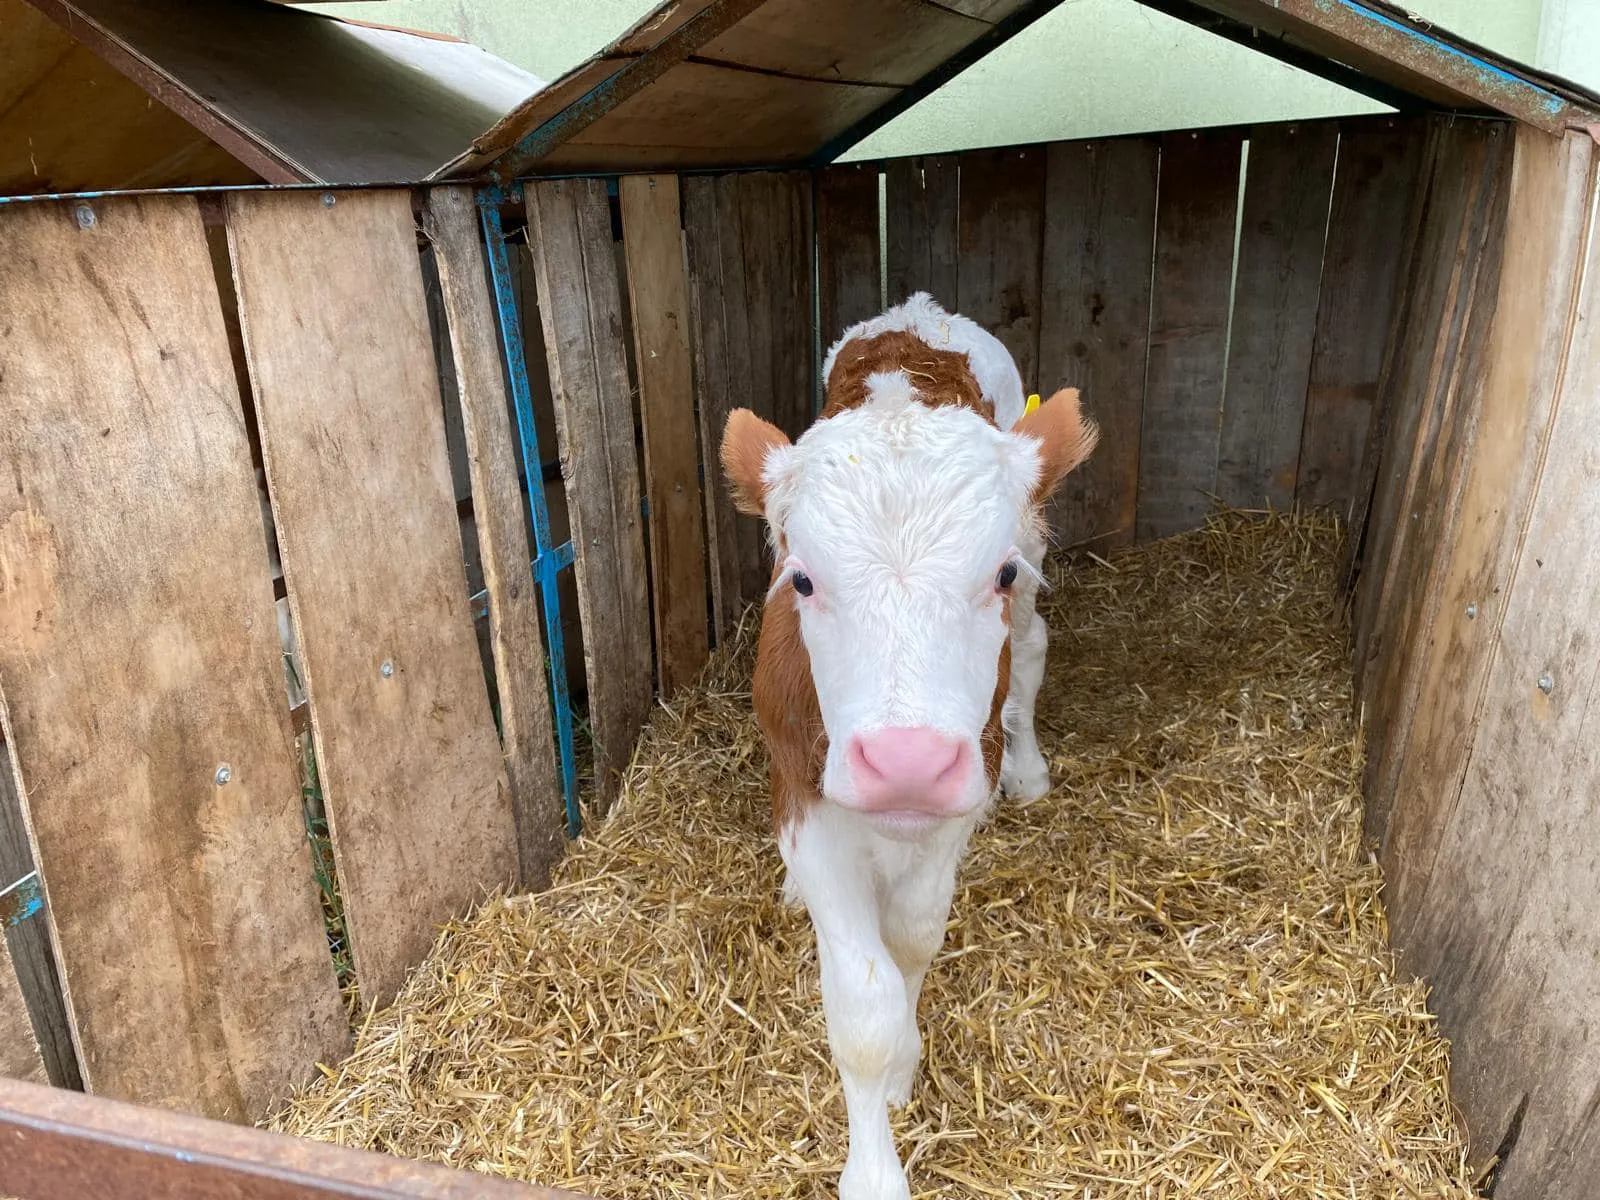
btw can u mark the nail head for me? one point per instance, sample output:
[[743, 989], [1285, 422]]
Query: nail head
[[1546, 684], [224, 774], [84, 216], [387, 669]]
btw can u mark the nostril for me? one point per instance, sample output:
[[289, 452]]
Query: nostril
[[861, 761]]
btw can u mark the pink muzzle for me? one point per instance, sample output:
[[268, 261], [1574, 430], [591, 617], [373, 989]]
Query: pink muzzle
[[911, 771]]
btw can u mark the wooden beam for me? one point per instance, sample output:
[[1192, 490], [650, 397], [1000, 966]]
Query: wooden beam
[[165, 90], [1381, 43], [710, 22], [59, 1145]]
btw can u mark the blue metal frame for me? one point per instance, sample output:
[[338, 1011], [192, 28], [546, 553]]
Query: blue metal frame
[[548, 560]]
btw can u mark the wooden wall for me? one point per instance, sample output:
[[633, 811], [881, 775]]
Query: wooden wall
[[1240, 369], [1477, 608]]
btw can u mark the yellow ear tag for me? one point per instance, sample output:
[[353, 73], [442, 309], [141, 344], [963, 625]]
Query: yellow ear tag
[[1033, 403]]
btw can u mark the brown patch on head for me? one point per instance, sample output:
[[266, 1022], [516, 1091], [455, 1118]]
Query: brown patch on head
[[941, 377], [746, 442], [786, 707], [1066, 439]]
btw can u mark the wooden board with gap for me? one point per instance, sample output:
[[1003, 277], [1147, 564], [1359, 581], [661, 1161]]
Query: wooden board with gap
[[659, 302], [580, 304], [1188, 330], [502, 526], [847, 247], [1453, 648], [33, 958], [1434, 378], [1099, 236], [144, 686], [750, 293], [1373, 185], [336, 332], [1503, 925], [920, 200], [1000, 235], [19, 1052], [1277, 284]]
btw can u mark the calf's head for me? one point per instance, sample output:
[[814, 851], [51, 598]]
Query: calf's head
[[896, 527]]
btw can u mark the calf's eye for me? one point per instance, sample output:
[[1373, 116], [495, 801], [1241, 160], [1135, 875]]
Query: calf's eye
[[802, 583], [1007, 576]]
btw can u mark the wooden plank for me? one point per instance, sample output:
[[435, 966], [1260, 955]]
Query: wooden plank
[[502, 526], [1188, 330], [715, 303], [19, 1052], [1420, 773], [1442, 330], [658, 289], [1505, 928], [1288, 188], [1099, 239], [61, 1146], [890, 42], [33, 958], [140, 658], [580, 305], [848, 262], [1000, 235], [1377, 174], [702, 114], [921, 216], [347, 393], [750, 275]]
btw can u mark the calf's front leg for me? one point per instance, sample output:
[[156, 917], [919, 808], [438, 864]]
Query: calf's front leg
[[864, 1000]]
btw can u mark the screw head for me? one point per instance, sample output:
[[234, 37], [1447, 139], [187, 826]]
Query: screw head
[[1472, 612], [1547, 684], [387, 669], [85, 217], [329, 199], [224, 773]]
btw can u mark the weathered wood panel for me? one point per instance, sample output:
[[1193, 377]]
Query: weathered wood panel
[[1000, 236], [920, 201], [848, 262], [33, 958], [580, 305], [1099, 239], [1288, 188], [143, 676], [718, 310], [1188, 330], [658, 288], [1373, 185], [1418, 773], [502, 527], [1506, 928], [63, 1146], [748, 240], [1435, 377], [347, 393], [19, 1052]]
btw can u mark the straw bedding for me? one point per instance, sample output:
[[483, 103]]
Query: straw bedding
[[1168, 978]]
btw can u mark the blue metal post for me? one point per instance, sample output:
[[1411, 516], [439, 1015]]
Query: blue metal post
[[548, 560]]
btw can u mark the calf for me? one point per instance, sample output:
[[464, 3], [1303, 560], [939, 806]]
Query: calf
[[899, 659]]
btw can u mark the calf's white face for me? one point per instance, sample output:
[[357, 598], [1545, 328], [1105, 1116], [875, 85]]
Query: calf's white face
[[896, 527]]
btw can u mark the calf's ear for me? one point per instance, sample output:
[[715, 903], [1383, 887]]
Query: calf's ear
[[746, 442], [1065, 436]]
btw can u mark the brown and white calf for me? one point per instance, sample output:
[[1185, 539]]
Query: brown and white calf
[[899, 660]]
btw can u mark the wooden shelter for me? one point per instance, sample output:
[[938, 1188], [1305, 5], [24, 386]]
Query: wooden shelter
[[472, 350]]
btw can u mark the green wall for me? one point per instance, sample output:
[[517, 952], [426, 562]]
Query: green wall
[[1088, 69]]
